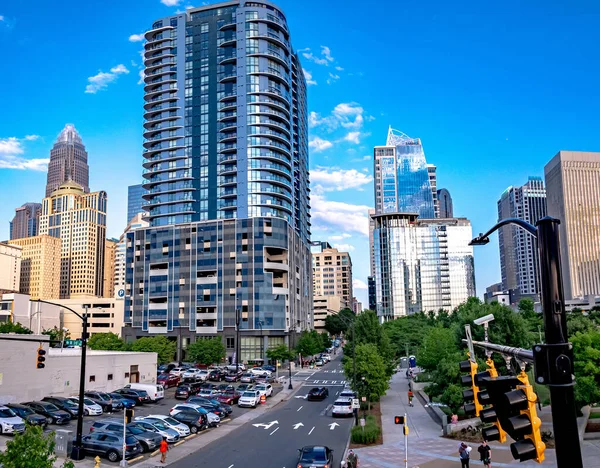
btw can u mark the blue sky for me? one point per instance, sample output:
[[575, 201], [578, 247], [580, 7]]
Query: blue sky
[[492, 91]]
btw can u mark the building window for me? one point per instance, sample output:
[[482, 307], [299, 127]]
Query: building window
[[230, 343], [110, 376], [92, 378]]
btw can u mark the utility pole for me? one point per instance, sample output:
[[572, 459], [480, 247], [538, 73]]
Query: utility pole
[[237, 341]]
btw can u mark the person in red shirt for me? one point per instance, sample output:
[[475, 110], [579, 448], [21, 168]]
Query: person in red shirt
[[163, 450]]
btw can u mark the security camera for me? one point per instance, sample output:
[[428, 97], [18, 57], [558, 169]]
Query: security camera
[[483, 320]]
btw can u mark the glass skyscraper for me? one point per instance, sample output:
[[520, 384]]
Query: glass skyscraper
[[135, 201], [226, 179]]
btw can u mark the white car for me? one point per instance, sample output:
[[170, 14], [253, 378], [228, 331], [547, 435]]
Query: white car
[[326, 357], [264, 389], [89, 407], [202, 375], [211, 418], [250, 398], [178, 371], [10, 423], [346, 393], [260, 371], [159, 427], [234, 368], [168, 421], [192, 374], [342, 407]]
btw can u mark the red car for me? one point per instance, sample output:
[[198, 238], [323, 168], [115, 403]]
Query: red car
[[168, 380], [229, 398]]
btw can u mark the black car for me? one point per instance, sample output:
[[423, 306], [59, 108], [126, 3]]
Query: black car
[[216, 375], [165, 368], [105, 401], [51, 411], [233, 376], [269, 368], [317, 393], [315, 456], [187, 390], [139, 396], [30, 416], [194, 420], [64, 404]]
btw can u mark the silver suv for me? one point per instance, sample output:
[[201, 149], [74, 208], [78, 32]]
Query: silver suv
[[110, 445], [10, 423], [148, 440]]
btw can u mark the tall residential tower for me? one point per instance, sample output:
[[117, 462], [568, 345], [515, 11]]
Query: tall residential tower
[[26, 221], [68, 161]]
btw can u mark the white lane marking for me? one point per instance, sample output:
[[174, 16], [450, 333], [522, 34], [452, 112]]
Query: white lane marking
[[299, 408], [337, 393], [274, 431], [266, 426], [311, 430], [297, 425], [230, 466], [332, 426]]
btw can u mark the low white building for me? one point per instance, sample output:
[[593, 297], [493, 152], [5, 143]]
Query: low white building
[[21, 380]]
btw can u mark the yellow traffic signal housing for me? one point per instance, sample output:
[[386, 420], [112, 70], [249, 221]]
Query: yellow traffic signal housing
[[470, 395], [41, 358]]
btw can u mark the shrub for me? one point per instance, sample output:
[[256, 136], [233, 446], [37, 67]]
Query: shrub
[[367, 435]]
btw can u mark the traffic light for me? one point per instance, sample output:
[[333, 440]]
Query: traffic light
[[128, 415], [41, 353], [398, 419], [472, 405], [488, 415]]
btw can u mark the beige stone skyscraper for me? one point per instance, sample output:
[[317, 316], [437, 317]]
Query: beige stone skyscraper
[[78, 219], [40, 266], [573, 196], [332, 274], [10, 268], [109, 267]]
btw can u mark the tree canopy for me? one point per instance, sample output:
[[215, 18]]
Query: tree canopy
[[161, 345], [106, 342], [340, 322], [31, 449], [371, 375], [280, 353], [309, 343], [10, 327], [207, 352]]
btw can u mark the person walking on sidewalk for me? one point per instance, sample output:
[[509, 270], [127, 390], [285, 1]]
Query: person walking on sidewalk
[[163, 450], [410, 398], [352, 460], [485, 454], [464, 455]]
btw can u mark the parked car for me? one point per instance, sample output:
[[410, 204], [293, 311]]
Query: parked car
[[317, 393], [226, 407], [315, 456], [264, 389], [156, 392], [319, 362], [216, 375], [159, 427], [28, 415], [207, 385], [248, 377], [178, 371], [148, 440], [229, 397], [264, 379], [260, 371], [208, 393], [89, 407], [269, 367], [168, 380], [212, 405], [10, 423], [214, 409], [235, 368], [244, 387], [110, 445], [224, 387], [213, 419], [165, 368], [342, 407], [127, 402], [105, 401], [168, 421], [49, 410], [249, 398], [184, 391], [233, 376], [195, 421], [64, 404], [139, 396]]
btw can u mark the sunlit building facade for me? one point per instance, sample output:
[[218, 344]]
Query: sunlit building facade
[[26, 221], [68, 161]]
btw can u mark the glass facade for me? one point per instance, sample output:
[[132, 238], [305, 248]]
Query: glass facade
[[135, 201], [421, 265]]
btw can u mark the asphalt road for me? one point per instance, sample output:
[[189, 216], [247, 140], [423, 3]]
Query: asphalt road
[[273, 439]]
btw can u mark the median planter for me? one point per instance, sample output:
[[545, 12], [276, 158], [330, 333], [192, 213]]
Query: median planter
[[371, 433]]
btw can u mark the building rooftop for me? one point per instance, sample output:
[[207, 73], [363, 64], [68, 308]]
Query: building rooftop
[[69, 135]]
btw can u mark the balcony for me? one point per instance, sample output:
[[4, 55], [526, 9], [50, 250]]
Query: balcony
[[227, 148], [227, 137], [225, 77], [160, 118], [228, 193], [227, 170], [227, 26], [148, 34], [224, 181]]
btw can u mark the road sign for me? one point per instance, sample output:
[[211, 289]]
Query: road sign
[[355, 403], [362, 422], [73, 342], [364, 398]]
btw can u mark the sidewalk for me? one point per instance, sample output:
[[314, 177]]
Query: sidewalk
[[426, 447]]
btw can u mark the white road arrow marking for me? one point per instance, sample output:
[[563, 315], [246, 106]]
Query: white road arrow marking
[[266, 426], [297, 425], [332, 426], [301, 396]]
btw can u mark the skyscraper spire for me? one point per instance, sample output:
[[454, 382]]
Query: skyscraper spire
[[68, 161]]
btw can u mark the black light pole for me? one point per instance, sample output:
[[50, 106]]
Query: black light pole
[[353, 359], [237, 341], [262, 344], [555, 357], [77, 452]]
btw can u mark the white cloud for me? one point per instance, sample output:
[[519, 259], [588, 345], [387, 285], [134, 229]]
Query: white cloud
[[1, 18], [326, 52], [312, 58], [353, 137], [318, 144], [344, 247], [340, 237], [101, 80], [330, 215], [11, 150], [332, 78], [136, 38], [32, 137], [325, 57], [170, 2], [338, 68], [359, 284], [330, 179], [346, 114], [142, 76], [309, 77]]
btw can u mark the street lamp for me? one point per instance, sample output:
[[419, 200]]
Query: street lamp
[[262, 344], [78, 453], [237, 341], [556, 354]]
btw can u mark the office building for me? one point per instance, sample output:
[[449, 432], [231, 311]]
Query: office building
[[68, 161], [10, 268], [356, 306], [26, 221], [110, 251], [446, 209], [78, 219], [573, 196], [138, 221], [371, 212], [226, 166], [372, 293], [319, 246], [421, 264], [332, 274], [403, 178], [135, 201], [40, 266], [324, 306], [432, 172]]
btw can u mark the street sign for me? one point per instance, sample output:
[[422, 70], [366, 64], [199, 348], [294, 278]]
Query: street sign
[[364, 398], [362, 422], [355, 403], [73, 342]]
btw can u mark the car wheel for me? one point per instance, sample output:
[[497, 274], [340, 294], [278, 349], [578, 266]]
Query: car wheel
[[193, 429], [145, 447], [112, 455], [86, 413]]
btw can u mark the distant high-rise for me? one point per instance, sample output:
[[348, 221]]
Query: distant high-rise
[[332, 274], [445, 203], [68, 161], [136, 222], [135, 201], [432, 171], [10, 268], [518, 249], [78, 219], [573, 196], [26, 221], [402, 177], [110, 251]]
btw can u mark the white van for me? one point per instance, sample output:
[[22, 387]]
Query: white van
[[156, 392]]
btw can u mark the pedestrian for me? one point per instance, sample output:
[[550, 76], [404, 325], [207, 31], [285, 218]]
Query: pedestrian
[[464, 454], [163, 450], [410, 398], [485, 454], [352, 460]]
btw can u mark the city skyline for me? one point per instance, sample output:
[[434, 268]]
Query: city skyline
[[515, 138]]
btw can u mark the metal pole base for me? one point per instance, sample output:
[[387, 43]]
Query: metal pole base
[[124, 463], [77, 453], [290, 385]]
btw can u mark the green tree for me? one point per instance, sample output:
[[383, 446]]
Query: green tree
[[309, 343], [371, 374], [10, 327], [164, 347], [586, 349], [437, 344], [408, 332], [280, 353], [106, 342], [207, 352], [57, 334], [325, 340], [31, 449], [339, 323]]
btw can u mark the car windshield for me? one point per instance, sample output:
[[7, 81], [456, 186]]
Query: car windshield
[[103, 397], [50, 407], [160, 426], [342, 403], [7, 413], [249, 394], [142, 393], [134, 430], [171, 421], [130, 440], [25, 411], [73, 401], [313, 455]]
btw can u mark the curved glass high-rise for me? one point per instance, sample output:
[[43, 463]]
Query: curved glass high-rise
[[68, 161]]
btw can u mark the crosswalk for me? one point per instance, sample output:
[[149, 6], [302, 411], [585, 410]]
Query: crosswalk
[[321, 376]]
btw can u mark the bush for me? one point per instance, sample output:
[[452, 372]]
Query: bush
[[367, 435]]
